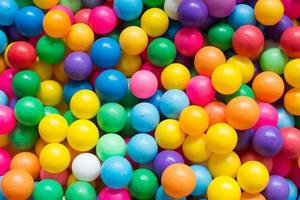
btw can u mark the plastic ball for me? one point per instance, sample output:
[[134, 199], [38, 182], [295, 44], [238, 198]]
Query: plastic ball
[[178, 72], [50, 93], [242, 14], [277, 187], [3, 43], [251, 169], [102, 19], [57, 23], [128, 10], [3, 98], [268, 12], [65, 9], [285, 119], [291, 100], [6, 81], [251, 196], [50, 110], [91, 3], [291, 73], [226, 186], [161, 195], [274, 59], [219, 8], [116, 172], [203, 178], [45, 4], [73, 5], [171, 7], [80, 190], [82, 135], [23, 137], [5, 161], [291, 137], [61, 177], [245, 65], [72, 87], [290, 40], [143, 84], [195, 149], [220, 35], [268, 115], [42, 69], [251, 155], [78, 66], [21, 55], [216, 112], [105, 52], [80, 37], [155, 22], [293, 191], [129, 64], [281, 166], [26, 83], [8, 10], [275, 32], [114, 194], [244, 90], [47, 189], [82, 16], [7, 120]]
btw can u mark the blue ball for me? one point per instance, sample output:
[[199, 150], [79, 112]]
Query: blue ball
[[144, 117], [8, 11], [3, 98], [142, 148], [173, 102], [242, 14], [285, 119], [29, 21], [155, 99], [161, 195], [116, 172], [128, 10], [293, 190], [3, 41], [105, 52], [174, 27], [74, 86], [111, 85], [203, 178]]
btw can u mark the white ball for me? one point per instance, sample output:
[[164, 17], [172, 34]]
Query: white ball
[[86, 167], [171, 7]]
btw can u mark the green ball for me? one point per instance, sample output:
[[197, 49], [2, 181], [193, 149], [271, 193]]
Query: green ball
[[129, 100], [244, 90], [48, 189], [80, 191], [110, 145], [69, 117], [29, 111], [50, 110], [154, 3], [297, 122], [128, 130], [161, 52], [111, 117], [50, 50], [115, 34], [26, 83], [220, 35], [23, 137], [273, 59], [143, 184], [23, 3], [135, 22], [74, 5]]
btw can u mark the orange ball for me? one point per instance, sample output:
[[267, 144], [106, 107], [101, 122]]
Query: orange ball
[[292, 101], [216, 112], [249, 196], [268, 87], [39, 145], [242, 112], [57, 23], [178, 180], [17, 184], [208, 59], [28, 162]]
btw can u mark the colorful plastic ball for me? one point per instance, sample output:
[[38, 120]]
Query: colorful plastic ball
[[129, 64], [216, 112], [17, 184], [8, 10], [73, 5], [195, 149], [7, 120], [5, 161], [248, 41], [80, 37], [274, 59], [3, 41], [203, 178], [72, 87], [82, 16], [155, 22], [285, 119], [268, 115], [244, 90], [50, 93], [220, 9], [61, 177], [91, 3], [21, 55], [178, 72], [291, 137], [26, 83], [80, 190], [171, 7], [263, 83], [50, 50], [78, 66], [3, 98], [290, 40], [291, 73], [128, 10], [245, 65], [268, 12], [220, 35], [161, 52], [227, 188], [116, 172], [143, 84], [251, 155], [242, 14], [188, 41], [161, 195], [6, 82], [45, 4], [275, 32], [57, 23], [23, 137], [102, 19], [293, 191], [252, 196], [244, 140], [291, 101], [277, 188], [105, 52], [65, 9], [47, 189], [281, 166], [114, 194]]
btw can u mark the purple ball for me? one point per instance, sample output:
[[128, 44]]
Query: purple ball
[[274, 32], [192, 13], [267, 141], [277, 188], [78, 66], [208, 23], [220, 8], [244, 139], [13, 102], [14, 35], [165, 159]]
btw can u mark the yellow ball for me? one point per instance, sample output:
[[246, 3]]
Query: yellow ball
[[253, 177], [53, 128], [227, 79], [224, 188], [245, 65], [268, 12], [195, 149], [133, 40], [4, 140], [71, 179], [5, 54], [292, 73], [129, 64], [42, 69], [224, 165], [80, 37], [45, 4], [292, 101], [84, 104], [50, 93], [82, 135], [155, 22], [59, 72], [221, 138], [2, 64], [168, 134], [55, 158], [175, 76]]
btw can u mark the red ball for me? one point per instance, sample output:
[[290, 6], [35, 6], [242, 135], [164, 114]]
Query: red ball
[[21, 55], [290, 41], [248, 41], [294, 175], [281, 166], [291, 141]]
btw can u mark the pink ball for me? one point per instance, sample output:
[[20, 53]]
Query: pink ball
[[291, 8], [66, 10], [200, 90], [155, 70], [61, 177], [4, 161], [82, 16], [188, 41], [6, 81], [281, 166], [268, 115], [143, 84], [7, 120], [102, 19], [114, 194]]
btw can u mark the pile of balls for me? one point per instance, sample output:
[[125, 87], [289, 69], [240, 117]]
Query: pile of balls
[[149, 99]]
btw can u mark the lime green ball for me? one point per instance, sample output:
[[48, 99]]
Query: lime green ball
[[23, 137], [74, 5], [273, 59], [50, 110], [80, 191], [220, 35], [47, 189], [69, 117], [143, 184], [26, 83], [244, 90], [154, 3], [128, 130]]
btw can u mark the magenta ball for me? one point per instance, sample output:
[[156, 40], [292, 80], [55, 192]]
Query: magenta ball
[[155, 70], [65, 9], [188, 41], [220, 8], [102, 20], [143, 84], [291, 8], [200, 90], [4, 161], [6, 81], [7, 120], [281, 166], [268, 115], [114, 194]]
